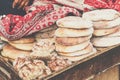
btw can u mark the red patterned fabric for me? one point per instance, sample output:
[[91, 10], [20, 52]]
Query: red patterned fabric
[[14, 26], [70, 3], [111, 4]]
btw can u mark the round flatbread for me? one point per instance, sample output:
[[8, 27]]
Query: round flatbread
[[13, 53], [65, 32], [117, 34], [69, 41], [101, 14], [27, 47], [74, 22], [24, 40], [4, 39], [84, 51], [62, 48], [103, 32], [106, 24], [78, 58], [105, 41]]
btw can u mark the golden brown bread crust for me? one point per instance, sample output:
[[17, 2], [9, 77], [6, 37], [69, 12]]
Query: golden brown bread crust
[[65, 32], [3, 39], [77, 58], [106, 23], [13, 53], [24, 40], [27, 47], [115, 34], [73, 48], [103, 32], [84, 51], [69, 41]]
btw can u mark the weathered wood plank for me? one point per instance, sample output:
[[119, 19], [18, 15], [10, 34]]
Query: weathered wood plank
[[103, 59], [109, 74]]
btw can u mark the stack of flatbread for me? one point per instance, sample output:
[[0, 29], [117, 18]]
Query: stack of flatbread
[[17, 48], [44, 45], [72, 38], [106, 24]]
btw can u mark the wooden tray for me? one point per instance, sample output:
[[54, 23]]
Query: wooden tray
[[6, 71], [86, 67], [90, 65]]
